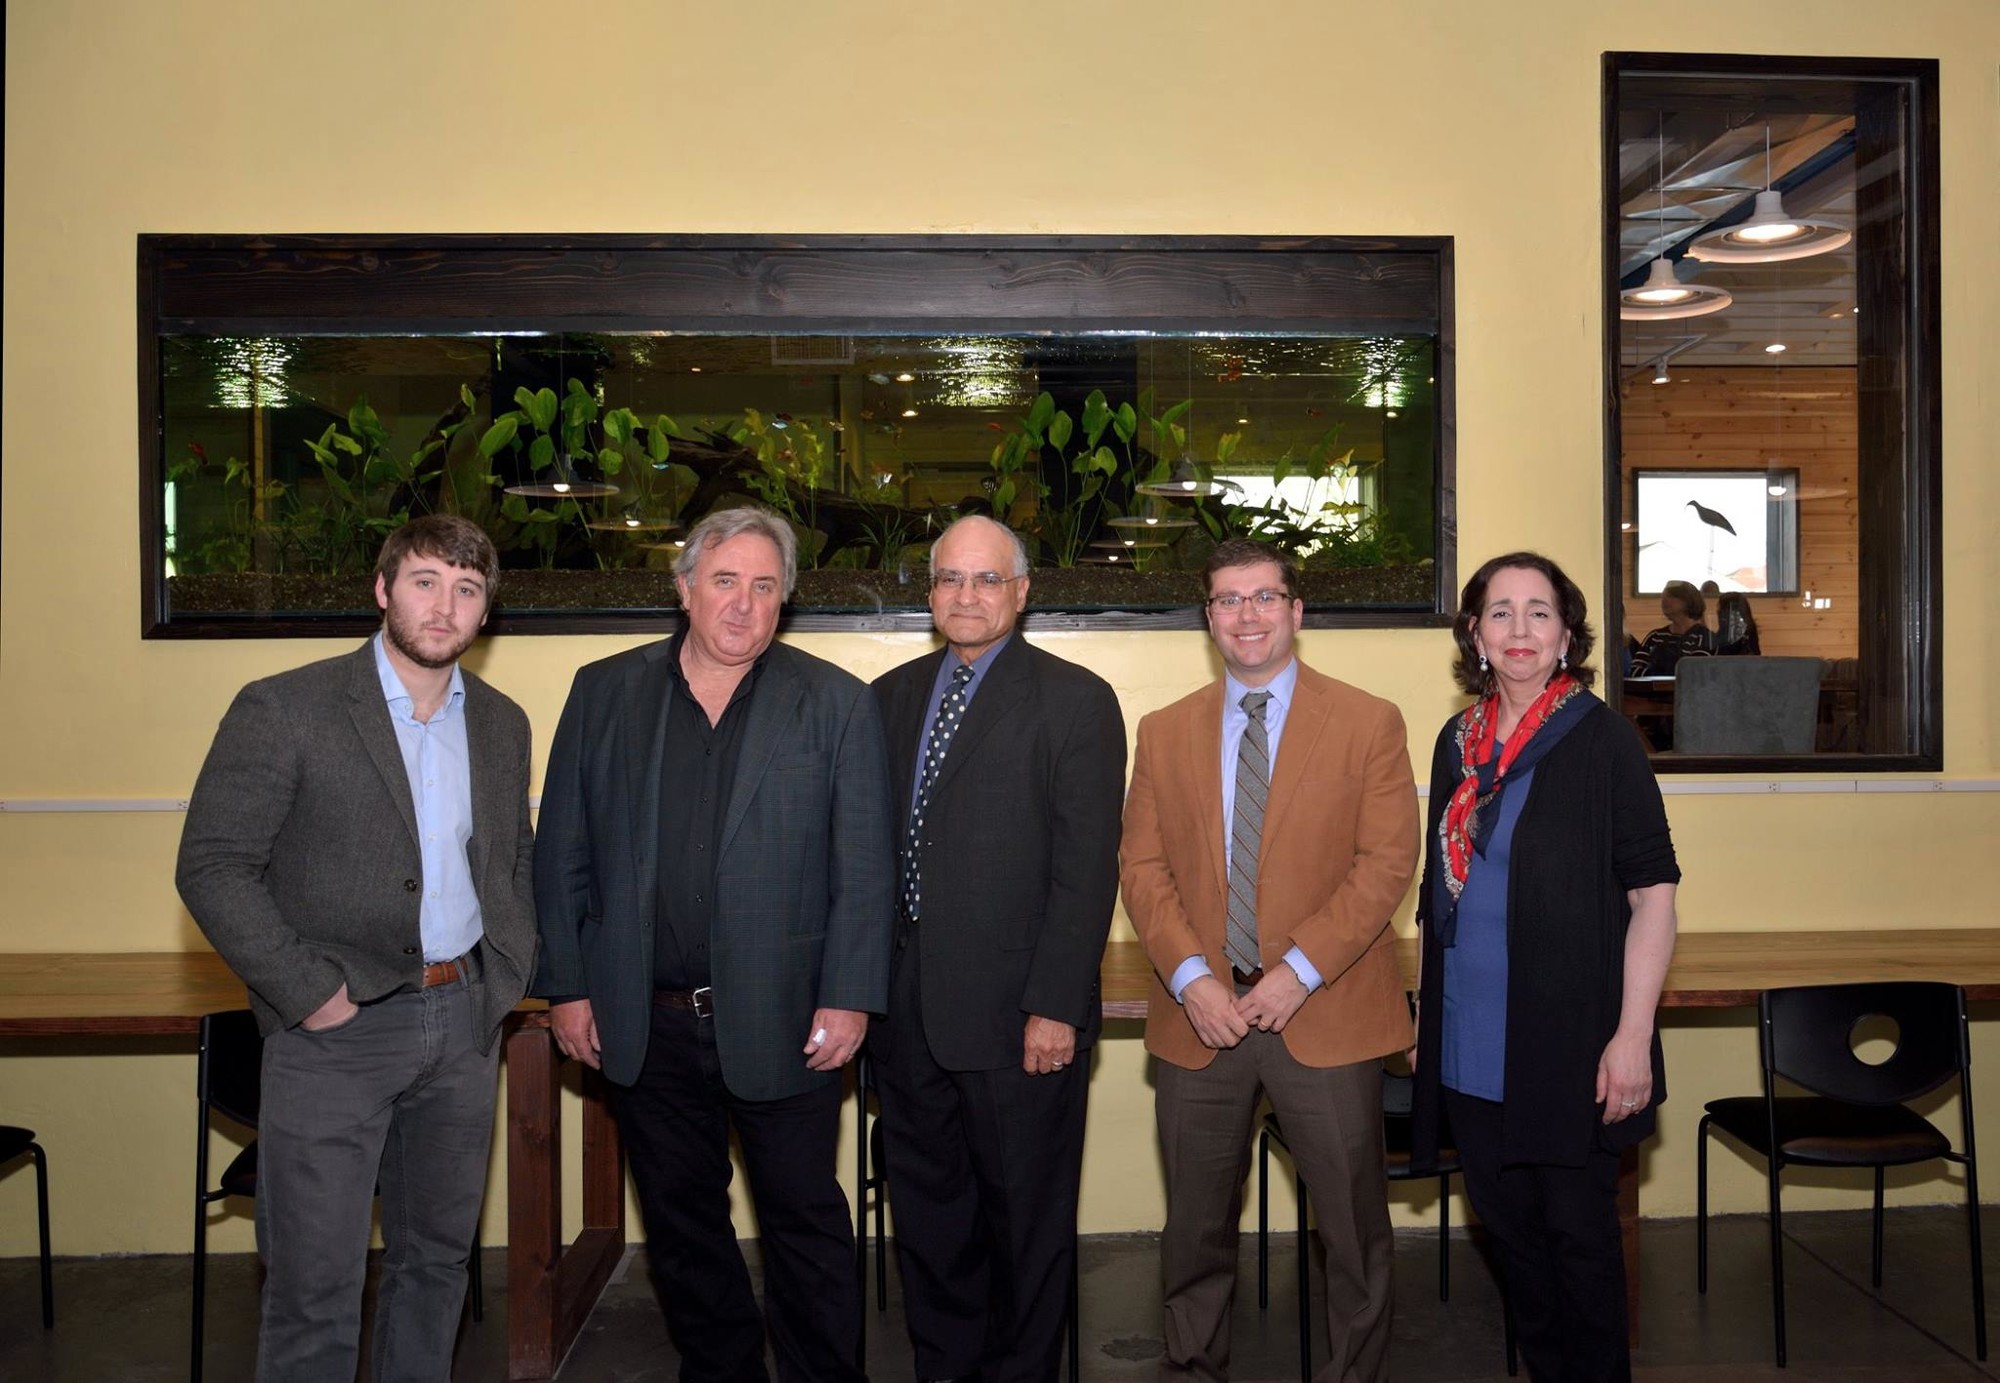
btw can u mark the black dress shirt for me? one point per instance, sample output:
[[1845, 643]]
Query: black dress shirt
[[697, 772]]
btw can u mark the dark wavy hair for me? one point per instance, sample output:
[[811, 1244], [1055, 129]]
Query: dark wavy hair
[[447, 538], [1248, 552], [1472, 604]]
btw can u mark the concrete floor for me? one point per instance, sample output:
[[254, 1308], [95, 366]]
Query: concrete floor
[[126, 1319]]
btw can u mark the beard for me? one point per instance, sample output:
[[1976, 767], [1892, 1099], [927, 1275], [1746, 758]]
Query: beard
[[405, 635]]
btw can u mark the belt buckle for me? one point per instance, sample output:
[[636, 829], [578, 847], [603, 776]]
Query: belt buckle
[[704, 1002]]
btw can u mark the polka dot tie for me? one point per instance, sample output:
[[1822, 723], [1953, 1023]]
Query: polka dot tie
[[951, 711]]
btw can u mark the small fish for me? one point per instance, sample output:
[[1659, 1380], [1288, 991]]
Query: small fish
[[867, 415], [1315, 412]]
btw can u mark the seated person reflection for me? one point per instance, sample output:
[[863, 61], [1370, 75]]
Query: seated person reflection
[[1682, 636], [1735, 626]]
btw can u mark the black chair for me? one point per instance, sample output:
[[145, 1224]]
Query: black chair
[[871, 1176], [229, 1081], [1854, 1114], [14, 1142], [1397, 1091]]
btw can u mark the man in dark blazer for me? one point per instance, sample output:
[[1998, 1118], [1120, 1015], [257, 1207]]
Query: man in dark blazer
[[715, 891], [357, 848], [1008, 766]]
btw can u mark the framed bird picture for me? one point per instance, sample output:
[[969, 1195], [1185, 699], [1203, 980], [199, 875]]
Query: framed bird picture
[[1739, 529]]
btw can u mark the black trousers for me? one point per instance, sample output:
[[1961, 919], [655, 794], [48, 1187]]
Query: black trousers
[[983, 1168], [1555, 1233], [675, 1123]]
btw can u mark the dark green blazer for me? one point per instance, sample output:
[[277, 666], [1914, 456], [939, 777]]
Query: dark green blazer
[[299, 857], [805, 873]]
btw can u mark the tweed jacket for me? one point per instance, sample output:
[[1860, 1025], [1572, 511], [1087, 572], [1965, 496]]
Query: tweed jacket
[[1338, 852], [299, 857]]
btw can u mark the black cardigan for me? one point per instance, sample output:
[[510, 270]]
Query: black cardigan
[[1593, 828]]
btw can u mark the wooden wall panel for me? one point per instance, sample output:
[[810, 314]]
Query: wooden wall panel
[[1801, 417]]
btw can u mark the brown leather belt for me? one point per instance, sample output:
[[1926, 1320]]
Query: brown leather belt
[[1247, 978], [439, 972], [699, 1002]]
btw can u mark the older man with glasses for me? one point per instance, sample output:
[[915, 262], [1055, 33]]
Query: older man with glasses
[[1008, 764]]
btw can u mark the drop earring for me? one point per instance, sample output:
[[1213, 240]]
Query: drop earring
[[1483, 667]]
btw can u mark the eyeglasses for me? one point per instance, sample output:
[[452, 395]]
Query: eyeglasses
[[1262, 600], [978, 580]]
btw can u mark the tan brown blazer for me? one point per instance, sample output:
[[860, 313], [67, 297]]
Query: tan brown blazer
[[1339, 850]]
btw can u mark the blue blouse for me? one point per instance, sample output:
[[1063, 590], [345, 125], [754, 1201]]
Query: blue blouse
[[1474, 1059]]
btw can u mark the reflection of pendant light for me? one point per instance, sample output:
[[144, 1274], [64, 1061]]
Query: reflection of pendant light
[[1768, 234], [1187, 482], [1150, 522], [1663, 297]]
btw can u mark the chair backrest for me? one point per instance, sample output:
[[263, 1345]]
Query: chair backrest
[[1398, 1094], [229, 1074], [1808, 1038], [1745, 705]]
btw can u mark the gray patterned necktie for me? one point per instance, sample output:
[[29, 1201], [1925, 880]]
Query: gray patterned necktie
[[1246, 833], [951, 709]]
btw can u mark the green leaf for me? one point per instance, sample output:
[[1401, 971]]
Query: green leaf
[[541, 516], [1096, 416], [1282, 467], [499, 435], [1038, 417], [1105, 460], [541, 408], [235, 470], [1060, 429], [541, 452], [465, 396], [514, 508], [578, 409], [658, 446], [1125, 423], [418, 456], [1177, 412], [620, 424], [1003, 498], [347, 444], [524, 399], [576, 387], [1225, 446], [611, 459]]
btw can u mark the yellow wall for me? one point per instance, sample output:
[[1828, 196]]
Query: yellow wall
[[1479, 122]]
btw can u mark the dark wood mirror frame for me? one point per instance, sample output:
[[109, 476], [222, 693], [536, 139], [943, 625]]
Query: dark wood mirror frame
[[1901, 688], [298, 285]]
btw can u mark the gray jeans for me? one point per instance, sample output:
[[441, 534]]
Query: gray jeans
[[397, 1098]]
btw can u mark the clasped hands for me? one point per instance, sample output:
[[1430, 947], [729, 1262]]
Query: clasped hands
[[1222, 1019], [835, 1036]]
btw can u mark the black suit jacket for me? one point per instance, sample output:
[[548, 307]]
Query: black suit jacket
[[805, 877], [299, 857], [1020, 850]]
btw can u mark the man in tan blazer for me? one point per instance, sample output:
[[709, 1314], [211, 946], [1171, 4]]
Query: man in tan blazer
[[1270, 832]]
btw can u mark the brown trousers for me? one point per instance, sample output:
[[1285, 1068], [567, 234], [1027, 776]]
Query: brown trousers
[[1332, 1118]]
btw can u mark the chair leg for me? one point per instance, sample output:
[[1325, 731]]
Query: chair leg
[[1701, 1206], [42, 1218], [861, 1217], [475, 1279], [1777, 1260], [1444, 1236], [1305, 1282], [1875, 1246], [1263, 1220], [200, 1284], [1978, 1258], [881, 1221]]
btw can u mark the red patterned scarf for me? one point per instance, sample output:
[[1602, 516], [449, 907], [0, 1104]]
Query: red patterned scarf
[[1460, 832]]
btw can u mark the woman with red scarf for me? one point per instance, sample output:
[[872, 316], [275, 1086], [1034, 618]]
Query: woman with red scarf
[[1547, 920]]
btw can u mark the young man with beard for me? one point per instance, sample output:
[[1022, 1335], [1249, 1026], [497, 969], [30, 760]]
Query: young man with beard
[[357, 848]]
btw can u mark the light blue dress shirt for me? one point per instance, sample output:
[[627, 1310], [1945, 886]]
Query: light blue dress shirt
[[439, 764], [980, 666], [1234, 721]]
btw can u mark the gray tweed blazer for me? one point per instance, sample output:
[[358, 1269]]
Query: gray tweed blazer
[[299, 857]]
